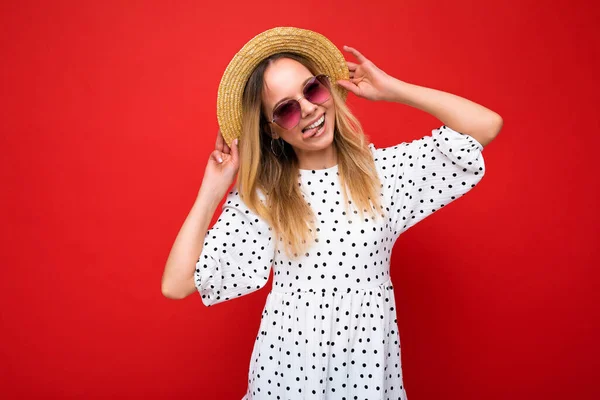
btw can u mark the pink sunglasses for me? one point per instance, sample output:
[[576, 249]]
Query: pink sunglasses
[[288, 114]]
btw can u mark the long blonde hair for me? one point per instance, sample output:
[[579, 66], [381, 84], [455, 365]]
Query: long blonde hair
[[284, 207]]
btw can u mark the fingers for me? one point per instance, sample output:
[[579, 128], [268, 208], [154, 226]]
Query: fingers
[[351, 66], [217, 156], [234, 150], [349, 86], [220, 141], [356, 54], [220, 156], [221, 144]]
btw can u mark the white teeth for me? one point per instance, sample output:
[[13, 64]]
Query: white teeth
[[317, 123]]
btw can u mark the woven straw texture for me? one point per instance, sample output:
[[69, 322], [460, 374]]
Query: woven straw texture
[[310, 44]]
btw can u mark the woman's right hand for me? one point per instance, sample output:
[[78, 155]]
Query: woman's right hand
[[222, 167]]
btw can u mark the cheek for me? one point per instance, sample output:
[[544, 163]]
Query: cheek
[[331, 117], [331, 110]]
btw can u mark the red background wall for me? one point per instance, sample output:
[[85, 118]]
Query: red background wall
[[107, 118]]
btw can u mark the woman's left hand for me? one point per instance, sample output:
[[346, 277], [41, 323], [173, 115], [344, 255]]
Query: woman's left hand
[[366, 80]]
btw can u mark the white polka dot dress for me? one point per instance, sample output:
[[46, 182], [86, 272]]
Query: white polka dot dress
[[328, 328]]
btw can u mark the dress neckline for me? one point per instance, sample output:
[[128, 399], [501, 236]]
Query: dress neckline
[[323, 171]]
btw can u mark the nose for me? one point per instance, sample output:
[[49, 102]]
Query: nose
[[307, 107]]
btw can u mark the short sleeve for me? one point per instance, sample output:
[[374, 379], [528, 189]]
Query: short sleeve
[[424, 175], [237, 255]]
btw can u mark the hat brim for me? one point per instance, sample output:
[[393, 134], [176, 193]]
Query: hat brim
[[312, 45]]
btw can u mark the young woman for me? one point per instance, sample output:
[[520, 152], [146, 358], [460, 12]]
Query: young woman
[[322, 207]]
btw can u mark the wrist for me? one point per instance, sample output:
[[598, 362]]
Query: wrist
[[396, 90], [208, 196]]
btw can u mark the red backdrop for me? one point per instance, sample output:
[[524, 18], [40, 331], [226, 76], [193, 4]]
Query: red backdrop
[[108, 115]]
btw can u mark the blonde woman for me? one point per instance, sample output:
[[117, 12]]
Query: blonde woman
[[322, 207]]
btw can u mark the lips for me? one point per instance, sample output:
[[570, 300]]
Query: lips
[[314, 120], [311, 132]]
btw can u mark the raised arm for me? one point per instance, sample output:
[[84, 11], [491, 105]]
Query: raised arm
[[178, 276], [459, 114]]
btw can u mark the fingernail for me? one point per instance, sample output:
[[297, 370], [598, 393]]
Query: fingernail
[[236, 142], [220, 159]]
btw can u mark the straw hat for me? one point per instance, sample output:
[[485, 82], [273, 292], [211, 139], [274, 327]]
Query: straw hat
[[312, 45]]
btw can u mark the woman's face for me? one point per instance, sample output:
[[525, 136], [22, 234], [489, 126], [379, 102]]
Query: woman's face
[[284, 79]]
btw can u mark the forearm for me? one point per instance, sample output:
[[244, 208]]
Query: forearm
[[178, 276], [456, 112]]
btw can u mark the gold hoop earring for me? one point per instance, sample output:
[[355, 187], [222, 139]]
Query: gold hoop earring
[[281, 147]]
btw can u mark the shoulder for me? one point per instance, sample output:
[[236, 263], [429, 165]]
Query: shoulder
[[385, 154], [235, 205], [234, 196]]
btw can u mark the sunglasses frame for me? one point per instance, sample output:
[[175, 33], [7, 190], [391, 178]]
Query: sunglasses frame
[[316, 77]]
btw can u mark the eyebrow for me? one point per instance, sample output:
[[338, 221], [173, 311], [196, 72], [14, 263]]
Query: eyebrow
[[288, 98]]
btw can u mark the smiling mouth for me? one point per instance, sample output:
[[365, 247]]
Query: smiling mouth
[[315, 132], [315, 129]]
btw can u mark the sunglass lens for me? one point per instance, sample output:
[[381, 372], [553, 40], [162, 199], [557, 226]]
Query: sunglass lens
[[316, 91], [288, 114]]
